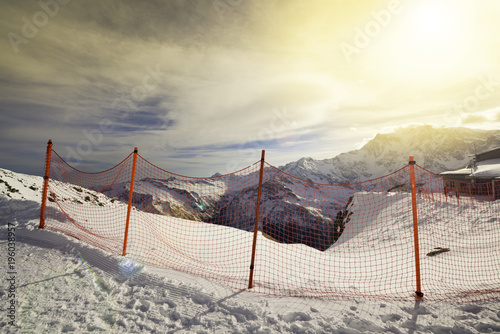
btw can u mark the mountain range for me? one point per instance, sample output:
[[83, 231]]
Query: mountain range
[[291, 210], [435, 149], [296, 211]]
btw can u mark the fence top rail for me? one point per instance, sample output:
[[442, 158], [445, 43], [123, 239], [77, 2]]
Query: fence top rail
[[121, 162], [199, 177], [91, 173], [248, 167], [430, 172], [335, 184], [235, 172]]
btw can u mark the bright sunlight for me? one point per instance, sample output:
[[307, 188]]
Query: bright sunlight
[[432, 40]]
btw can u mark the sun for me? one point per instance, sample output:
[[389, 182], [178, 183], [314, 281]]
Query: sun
[[434, 27], [431, 39]]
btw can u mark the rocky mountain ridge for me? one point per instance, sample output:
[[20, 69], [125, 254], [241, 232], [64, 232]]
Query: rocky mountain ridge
[[436, 149], [287, 213]]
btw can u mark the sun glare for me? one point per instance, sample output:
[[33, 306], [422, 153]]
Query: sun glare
[[432, 23], [431, 41]]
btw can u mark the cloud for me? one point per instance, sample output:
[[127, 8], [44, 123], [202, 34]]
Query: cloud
[[241, 109], [488, 119], [201, 83], [474, 119]]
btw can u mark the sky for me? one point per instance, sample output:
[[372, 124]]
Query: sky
[[202, 86]]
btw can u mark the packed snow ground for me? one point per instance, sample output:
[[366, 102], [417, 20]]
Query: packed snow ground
[[65, 285]]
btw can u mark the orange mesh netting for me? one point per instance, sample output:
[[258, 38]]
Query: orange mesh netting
[[316, 240], [459, 233], [78, 207]]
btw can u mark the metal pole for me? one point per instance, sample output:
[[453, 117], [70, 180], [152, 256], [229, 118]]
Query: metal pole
[[45, 184], [256, 224], [129, 209]]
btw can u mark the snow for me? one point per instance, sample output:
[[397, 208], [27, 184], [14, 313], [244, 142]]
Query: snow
[[65, 285], [461, 171], [487, 169], [436, 149]]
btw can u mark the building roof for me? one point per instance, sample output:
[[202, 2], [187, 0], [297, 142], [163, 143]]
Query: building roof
[[488, 155], [461, 171], [487, 169]]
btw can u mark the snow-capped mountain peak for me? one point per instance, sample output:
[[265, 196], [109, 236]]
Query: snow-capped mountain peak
[[436, 149]]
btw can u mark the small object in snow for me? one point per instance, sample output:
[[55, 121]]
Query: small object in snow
[[438, 251], [130, 268]]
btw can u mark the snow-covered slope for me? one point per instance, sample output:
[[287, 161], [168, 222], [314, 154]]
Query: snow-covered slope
[[231, 201], [436, 149], [63, 285]]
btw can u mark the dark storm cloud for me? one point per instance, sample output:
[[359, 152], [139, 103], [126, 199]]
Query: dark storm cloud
[[161, 21]]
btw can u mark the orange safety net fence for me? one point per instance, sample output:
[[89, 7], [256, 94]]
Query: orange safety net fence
[[459, 233], [313, 240], [87, 206]]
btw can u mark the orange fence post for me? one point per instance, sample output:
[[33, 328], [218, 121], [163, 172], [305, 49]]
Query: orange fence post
[[129, 209], [415, 228], [45, 184], [256, 225], [470, 194]]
